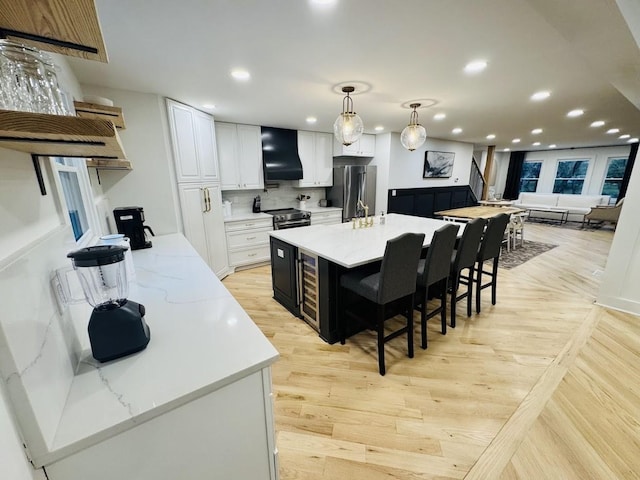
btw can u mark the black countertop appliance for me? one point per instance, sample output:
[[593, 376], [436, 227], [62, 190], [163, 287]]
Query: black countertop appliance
[[130, 222]]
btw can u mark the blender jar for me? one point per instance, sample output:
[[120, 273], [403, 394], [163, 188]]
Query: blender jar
[[103, 275]]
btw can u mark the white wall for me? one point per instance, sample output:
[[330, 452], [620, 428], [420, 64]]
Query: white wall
[[598, 158], [406, 168], [619, 286], [151, 183]]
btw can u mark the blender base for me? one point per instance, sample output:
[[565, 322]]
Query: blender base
[[118, 332]]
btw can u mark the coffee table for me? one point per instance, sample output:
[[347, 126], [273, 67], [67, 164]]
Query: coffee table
[[564, 213]]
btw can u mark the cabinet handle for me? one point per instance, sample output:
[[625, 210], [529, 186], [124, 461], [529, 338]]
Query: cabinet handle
[[252, 255], [251, 238], [204, 199], [249, 224], [208, 199]]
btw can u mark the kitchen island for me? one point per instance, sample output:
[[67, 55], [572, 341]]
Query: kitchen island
[[306, 263]]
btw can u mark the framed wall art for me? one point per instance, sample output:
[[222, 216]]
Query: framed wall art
[[438, 164]]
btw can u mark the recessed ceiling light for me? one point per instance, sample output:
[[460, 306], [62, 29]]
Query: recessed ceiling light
[[597, 123], [536, 144], [491, 136], [632, 140], [611, 131], [506, 149], [475, 66], [379, 128], [440, 116], [312, 119], [540, 95], [575, 113], [322, 3], [456, 130], [240, 74], [622, 137], [209, 106], [553, 145], [536, 131], [515, 140]]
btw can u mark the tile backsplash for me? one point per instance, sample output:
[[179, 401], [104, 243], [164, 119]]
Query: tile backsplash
[[281, 197]]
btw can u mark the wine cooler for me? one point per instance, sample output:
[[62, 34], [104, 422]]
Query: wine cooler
[[308, 288]]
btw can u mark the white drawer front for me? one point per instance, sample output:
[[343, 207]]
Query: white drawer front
[[248, 224], [247, 238], [250, 255]]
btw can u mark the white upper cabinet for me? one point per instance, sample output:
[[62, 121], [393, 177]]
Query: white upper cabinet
[[194, 143], [314, 149], [240, 156], [364, 147]]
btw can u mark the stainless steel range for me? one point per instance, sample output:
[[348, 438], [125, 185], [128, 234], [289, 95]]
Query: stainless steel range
[[289, 218]]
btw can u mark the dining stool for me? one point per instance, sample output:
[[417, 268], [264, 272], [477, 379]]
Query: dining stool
[[433, 270], [395, 282], [464, 258], [490, 250]]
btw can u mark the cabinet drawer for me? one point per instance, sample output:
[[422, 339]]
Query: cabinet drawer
[[248, 238], [248, 224], [326, 217], [249, 255]]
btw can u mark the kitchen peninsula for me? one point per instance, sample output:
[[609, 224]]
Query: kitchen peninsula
[[306, 263]]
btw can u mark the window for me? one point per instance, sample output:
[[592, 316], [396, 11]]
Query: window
[[613, 179], [570, 176], [529, 177], [73, 181]]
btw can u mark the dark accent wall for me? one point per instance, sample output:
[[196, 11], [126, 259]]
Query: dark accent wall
[[423, 202]]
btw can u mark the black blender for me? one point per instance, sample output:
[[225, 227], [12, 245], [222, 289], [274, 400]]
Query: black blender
[[117, 327]]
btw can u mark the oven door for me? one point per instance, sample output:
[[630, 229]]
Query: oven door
[[304, 222]]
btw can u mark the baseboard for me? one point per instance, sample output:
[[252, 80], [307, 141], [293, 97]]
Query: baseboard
[[621, 304]]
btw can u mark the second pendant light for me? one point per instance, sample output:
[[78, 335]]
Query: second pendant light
[[414, 134]]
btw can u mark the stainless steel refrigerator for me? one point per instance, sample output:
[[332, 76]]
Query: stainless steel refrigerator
[[352, 183]]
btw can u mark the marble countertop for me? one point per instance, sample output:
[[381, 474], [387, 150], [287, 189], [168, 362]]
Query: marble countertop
[[349, 247], [201, 340]]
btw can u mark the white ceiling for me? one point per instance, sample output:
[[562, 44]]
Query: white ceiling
[[582, 51]]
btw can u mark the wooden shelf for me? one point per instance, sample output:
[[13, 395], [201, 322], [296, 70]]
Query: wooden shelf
[[69, 27], [101, 112], [59, 135], [105, 164]]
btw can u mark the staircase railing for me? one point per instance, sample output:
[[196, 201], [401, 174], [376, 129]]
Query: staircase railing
[[476, 180]]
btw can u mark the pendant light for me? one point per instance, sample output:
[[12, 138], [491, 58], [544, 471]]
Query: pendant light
[[348, 127], [414, 134]]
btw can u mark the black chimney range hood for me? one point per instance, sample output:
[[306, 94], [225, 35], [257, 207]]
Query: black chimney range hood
[[280, 154]]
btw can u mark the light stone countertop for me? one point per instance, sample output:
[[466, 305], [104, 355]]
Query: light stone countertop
[[201, 340], [313, 210], [349, 247], [242, 216]]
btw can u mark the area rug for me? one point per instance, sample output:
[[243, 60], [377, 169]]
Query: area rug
[[523, 254]]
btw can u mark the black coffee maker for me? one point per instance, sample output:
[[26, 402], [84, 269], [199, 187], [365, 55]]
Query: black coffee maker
[[129, 221]]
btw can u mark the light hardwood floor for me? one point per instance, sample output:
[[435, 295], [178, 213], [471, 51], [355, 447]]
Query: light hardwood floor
[[543, 385]]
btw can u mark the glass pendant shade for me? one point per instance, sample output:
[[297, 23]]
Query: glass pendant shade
[[414, 134], [348, 127]]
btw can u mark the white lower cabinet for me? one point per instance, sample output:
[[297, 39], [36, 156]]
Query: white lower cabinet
[[227, 434], [326, 218], [202, 219], [248, 241]]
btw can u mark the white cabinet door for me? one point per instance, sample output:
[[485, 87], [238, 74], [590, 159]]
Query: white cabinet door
[[315, 151], [306, 152], [203, 223], [367, 145], [324, 159], [250, 152], [194, 143], [206, 143], [227, 140], [183, 139], [364, 147], [240, 156], [214, 228], [192, 200]]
